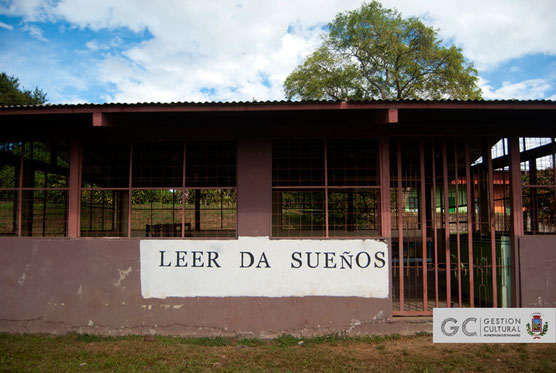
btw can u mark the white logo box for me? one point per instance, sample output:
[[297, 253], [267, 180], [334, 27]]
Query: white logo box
[[494, 325]]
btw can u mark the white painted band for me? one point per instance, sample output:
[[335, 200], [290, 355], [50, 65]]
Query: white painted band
[[261, 267]]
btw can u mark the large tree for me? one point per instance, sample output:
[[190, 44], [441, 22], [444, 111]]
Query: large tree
[[12, 94], [374, 53]]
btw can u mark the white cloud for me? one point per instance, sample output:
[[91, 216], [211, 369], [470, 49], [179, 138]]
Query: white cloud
[[31, 10], [242, 49], [238, 50], [525, 90], [489, 32], [35, 32], [72, 100], [6, 26], [94, 45]]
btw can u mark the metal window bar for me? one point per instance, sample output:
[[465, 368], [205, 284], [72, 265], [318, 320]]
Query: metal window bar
[[217, 212], [318, 192], [39, 189], [539, 185]]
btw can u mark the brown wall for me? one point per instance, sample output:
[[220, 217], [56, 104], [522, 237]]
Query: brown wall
[[93, 286], [538, 271], [253, 187]]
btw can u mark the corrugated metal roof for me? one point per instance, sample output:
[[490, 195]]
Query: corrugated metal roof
[[274, 102]]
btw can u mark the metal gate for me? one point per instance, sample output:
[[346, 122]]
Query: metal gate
[[451, 222]]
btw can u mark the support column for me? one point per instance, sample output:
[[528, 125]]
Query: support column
[[74, 198], [254, 178]]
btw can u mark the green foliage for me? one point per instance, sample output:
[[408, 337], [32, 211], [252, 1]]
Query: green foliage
[[374, 53], [329, 338], [250, 342], [12, 94], [207, 341], [88, 338], [286, 340]]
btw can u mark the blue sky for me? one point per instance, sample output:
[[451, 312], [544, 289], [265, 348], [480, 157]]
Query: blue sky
[[224, 50]]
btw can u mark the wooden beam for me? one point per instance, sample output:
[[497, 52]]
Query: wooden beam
[[98, 119], [392, 115]]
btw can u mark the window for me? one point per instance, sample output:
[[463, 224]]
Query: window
[[34, 189], [163, 189], [325, 189], [538, 185]]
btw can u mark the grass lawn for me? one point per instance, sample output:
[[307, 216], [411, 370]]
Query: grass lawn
[[75, 353]]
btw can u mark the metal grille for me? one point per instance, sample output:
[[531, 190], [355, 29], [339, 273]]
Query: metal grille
[[34, 189], [298, 163], [8, 212], [298, 213], [210, 165], [157, 165], [104, 213], [450, 218], [45, 213], [352, 163], [353, 212], [210, 212], [163, 189], [105, 165], [325, 188], [539, 185]]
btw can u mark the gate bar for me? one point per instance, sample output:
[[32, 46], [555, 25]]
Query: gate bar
[[492, 224], [423, 212], [434, 228], [400, 225], [469, 225], [458, 245], [446, 224]]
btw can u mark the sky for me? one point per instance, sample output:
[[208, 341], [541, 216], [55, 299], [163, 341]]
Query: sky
[[99, 51]]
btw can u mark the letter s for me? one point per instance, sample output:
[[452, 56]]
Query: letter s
[[298, 260], [379, 259]]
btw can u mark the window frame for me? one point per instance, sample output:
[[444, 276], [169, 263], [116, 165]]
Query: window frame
[[21, 191], [527, 157], [327, 189], [178, 229]]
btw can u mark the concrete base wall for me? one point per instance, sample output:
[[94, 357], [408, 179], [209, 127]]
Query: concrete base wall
[[538, 271], [93, 286]]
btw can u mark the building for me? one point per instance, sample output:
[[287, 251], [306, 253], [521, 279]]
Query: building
[[273, 217]]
